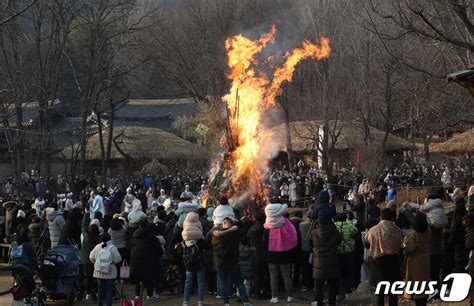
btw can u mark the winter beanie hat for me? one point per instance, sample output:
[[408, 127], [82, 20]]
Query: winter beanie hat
[[274, 215], [220, 213], [192, 228], [323, 197], [210, 212]]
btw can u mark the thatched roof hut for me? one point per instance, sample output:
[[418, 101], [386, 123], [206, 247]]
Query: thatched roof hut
[[350, 135], [137, 143], [461, 143], [154, 167]]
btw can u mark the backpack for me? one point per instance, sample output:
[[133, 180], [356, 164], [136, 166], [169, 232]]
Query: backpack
[[347, 244], [18, 255], [192, 258], [103, 262], [437, 218], [176, 252]]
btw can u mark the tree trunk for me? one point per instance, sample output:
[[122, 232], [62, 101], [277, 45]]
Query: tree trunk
[[41, 145], [48, 159], [289, 146], [102, 148], [110, 139], [426, 148], [327, 168], [19, 140], [83, 138], [73, 160]]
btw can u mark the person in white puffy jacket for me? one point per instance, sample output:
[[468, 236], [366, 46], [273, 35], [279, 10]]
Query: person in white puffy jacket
[[433, 208], [446, 178], [222, 211], [437, 219], [275, 215], [292, 194]]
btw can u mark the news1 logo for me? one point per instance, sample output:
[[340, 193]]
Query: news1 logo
[[458, 283]]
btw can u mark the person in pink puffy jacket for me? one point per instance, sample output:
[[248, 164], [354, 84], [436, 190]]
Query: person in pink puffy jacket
[[282, 240]]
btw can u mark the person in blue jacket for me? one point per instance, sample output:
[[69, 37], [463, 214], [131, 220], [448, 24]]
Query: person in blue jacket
[[148, 181], [391, 192]]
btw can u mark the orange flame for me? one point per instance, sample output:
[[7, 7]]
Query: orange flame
[[251, 94], [204, 199]]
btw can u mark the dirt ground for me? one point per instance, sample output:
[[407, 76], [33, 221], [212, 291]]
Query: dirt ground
[[363, 296]]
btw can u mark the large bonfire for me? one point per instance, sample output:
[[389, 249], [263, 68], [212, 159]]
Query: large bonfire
[[248, 142]]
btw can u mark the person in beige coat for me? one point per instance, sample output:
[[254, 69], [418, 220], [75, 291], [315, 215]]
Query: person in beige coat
[[106, 280], [192, 228], [416, 265]]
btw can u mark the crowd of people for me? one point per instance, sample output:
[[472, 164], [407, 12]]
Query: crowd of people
[[171, 241], [301, 185]]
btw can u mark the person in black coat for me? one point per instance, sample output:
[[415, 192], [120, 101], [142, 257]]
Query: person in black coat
[[205, 223], [145, 250], [226, 241], [447, 258], [373, 213], [71, 232], [160, 222], [171, 219], [358, 254], [256, 236], [359, 211], [21, 238], [297, 252], [468, 223], [209, 262], [142, 197], [457, 237], [324, 241]]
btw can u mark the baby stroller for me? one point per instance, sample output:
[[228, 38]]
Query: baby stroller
[[60, 271], [24, 290]]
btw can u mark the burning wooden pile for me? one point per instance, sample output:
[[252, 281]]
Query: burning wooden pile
[[239, 173]]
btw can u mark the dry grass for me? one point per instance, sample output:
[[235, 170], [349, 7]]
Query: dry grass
[[461, 143], [413, 195], [143, 143]]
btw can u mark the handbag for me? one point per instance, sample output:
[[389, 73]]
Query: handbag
[[126, 302], [137, 301], [124, 270], [19, 291], [129, 302]]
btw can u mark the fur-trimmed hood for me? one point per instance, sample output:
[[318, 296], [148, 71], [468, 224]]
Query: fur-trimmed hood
[[223, 232]]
